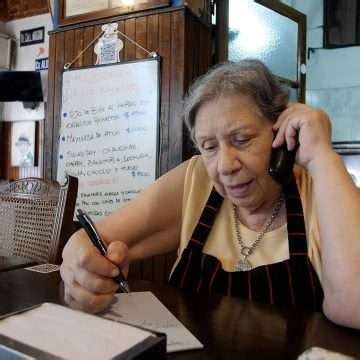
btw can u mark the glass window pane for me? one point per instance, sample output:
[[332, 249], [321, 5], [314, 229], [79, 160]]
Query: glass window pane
[[343, 107], [258, 32]]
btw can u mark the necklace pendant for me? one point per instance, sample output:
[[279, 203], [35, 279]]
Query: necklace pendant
[[243, 265]]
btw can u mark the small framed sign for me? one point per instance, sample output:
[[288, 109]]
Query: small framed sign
[[42, 64], [32, 36]]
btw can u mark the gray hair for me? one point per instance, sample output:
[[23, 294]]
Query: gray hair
[[248, 77]]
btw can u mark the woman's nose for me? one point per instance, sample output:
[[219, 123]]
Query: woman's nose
[[228, 160]]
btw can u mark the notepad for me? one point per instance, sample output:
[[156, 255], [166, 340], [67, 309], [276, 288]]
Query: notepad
[[145, 310], [66, 333]]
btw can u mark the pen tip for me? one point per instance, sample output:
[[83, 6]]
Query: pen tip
[[124, 286]]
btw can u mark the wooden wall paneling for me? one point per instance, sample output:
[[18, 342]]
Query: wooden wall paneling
[[152, 33], [69, 46], [165, 40], [189, 54], [10, 172], [130, 54], [159, 261], [205, 49], [13, 173], [97, 31], [121, 28], [197, 62], [147, 265], [164, 52], [176, 94], [199, 38], [189, 51], [147, 35], [130, 48], [178, 38], [196, 44], [202, 49], [222, 31], [176, 88], [79, 47], [88, 54], [64, 54], [140, 37], [49, 121]]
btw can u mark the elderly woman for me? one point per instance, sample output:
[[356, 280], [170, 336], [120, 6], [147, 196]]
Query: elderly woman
[[238, 231]]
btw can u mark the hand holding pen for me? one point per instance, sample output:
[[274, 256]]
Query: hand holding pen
[[90, 229]]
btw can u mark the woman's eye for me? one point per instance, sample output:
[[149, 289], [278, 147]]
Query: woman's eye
[[208, 146], [240, 141]]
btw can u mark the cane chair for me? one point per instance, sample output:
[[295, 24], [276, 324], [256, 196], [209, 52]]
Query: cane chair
[[36, 218]]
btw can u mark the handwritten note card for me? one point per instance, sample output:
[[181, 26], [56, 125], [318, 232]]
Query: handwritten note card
[[109, 133], [145, 310]]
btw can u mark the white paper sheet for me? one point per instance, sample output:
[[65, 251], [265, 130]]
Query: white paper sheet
[[145, 310], [71, 334], [317, 353]]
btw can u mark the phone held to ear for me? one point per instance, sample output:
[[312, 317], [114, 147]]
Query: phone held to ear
[[281, 163]]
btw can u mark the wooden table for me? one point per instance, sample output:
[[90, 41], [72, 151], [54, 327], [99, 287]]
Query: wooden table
[[14, 262], [228, 327]]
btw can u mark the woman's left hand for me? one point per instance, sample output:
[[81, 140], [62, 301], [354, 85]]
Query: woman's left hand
[[306, 126]]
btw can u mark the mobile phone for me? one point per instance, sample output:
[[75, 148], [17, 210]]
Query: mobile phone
[[281, 163]]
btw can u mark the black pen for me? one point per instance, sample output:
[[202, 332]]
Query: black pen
[[95, 238]]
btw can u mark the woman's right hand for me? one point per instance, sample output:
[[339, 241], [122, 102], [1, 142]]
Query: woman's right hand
[[87, 275]]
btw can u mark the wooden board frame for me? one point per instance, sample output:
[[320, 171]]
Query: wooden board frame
[[63, 169], [138, 5]]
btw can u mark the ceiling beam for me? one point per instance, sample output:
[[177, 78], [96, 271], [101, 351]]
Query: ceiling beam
[[3, 10], [17, 9]]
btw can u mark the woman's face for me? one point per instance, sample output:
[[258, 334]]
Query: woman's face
[[235, 144]]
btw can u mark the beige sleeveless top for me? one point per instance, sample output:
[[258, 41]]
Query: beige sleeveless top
[[222, 241]]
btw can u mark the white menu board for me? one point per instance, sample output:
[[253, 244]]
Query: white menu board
[[109, 133]]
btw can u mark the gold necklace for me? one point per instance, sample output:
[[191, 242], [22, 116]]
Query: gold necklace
[[244, 264]]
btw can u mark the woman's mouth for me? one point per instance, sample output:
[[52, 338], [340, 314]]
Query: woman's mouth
[[239, 190]]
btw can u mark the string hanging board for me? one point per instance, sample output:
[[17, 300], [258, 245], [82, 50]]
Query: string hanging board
[[109, 132]]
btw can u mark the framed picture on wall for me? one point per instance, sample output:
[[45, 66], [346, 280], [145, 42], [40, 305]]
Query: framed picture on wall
[[32, 36], [76, 11], [23, 143]]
